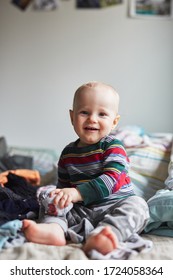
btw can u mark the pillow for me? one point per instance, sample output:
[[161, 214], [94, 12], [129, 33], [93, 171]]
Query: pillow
[[44, 160], [169, 179], [148, 169], [149, 161], [145, 186], [161, 213], [149, 156]]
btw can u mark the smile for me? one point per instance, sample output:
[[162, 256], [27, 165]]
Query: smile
[[91, 128]]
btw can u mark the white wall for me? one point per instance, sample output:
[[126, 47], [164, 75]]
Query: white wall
[[45, 56]]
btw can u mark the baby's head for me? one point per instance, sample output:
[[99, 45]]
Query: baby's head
[[104, 91], [95, 111]]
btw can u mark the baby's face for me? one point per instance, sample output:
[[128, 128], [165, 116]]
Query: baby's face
[[94, 114]]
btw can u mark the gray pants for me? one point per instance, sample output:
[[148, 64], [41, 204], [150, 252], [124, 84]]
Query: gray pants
[[125, 216]]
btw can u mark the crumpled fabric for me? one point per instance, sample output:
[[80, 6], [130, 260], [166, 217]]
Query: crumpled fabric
[[10, 234], [133, 246]]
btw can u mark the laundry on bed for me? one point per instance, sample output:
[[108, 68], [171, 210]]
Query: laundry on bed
[[10, 234], [151, 171], [17, 199], [31, 176]]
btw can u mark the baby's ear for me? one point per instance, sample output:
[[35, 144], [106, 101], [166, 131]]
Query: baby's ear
[[116, 120], [71, 115]]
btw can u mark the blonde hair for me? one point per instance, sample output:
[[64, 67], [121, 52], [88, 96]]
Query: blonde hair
[[95, 84]]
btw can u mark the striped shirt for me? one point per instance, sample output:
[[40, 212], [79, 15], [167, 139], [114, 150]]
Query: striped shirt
[[98, 171]]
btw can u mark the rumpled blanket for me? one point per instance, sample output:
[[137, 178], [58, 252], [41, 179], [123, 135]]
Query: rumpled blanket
[[131, 247], [11, 236]]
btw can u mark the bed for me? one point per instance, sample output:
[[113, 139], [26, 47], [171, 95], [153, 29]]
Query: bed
[[151, 157]]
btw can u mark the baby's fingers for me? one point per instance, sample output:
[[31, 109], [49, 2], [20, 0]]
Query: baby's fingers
[[68, 201], [54, 192], [58, 197], [65, 201]]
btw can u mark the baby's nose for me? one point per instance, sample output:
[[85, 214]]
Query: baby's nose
[[93, 118]]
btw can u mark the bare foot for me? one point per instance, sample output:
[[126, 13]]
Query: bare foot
[[49, 234], [104, 242]]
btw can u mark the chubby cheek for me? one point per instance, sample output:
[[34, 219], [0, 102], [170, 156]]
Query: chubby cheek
[[104, 124], [106, 128], [78, 124]]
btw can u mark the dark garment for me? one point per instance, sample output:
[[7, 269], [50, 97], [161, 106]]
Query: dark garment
[[17, 199], [20, 186], [6, 217], [18, 209], [7, 193]]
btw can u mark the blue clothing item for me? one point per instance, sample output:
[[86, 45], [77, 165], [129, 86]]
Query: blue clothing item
[[161, 214], [9, 231]]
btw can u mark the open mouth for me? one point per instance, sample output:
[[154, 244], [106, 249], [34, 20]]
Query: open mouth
[[91, 128]]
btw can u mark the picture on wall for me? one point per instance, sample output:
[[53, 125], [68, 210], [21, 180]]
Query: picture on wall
[[97, 3], [22, 4], [155, 9]]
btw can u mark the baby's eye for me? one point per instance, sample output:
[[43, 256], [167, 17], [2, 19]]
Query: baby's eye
[[84, 112], [102, 114]]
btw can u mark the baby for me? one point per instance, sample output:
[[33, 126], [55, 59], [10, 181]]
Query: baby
[[93, 179]]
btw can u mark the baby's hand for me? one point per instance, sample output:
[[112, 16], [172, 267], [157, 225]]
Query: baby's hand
[[63, 197]]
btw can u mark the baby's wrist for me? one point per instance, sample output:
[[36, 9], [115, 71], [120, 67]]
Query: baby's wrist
[[78, 195]]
